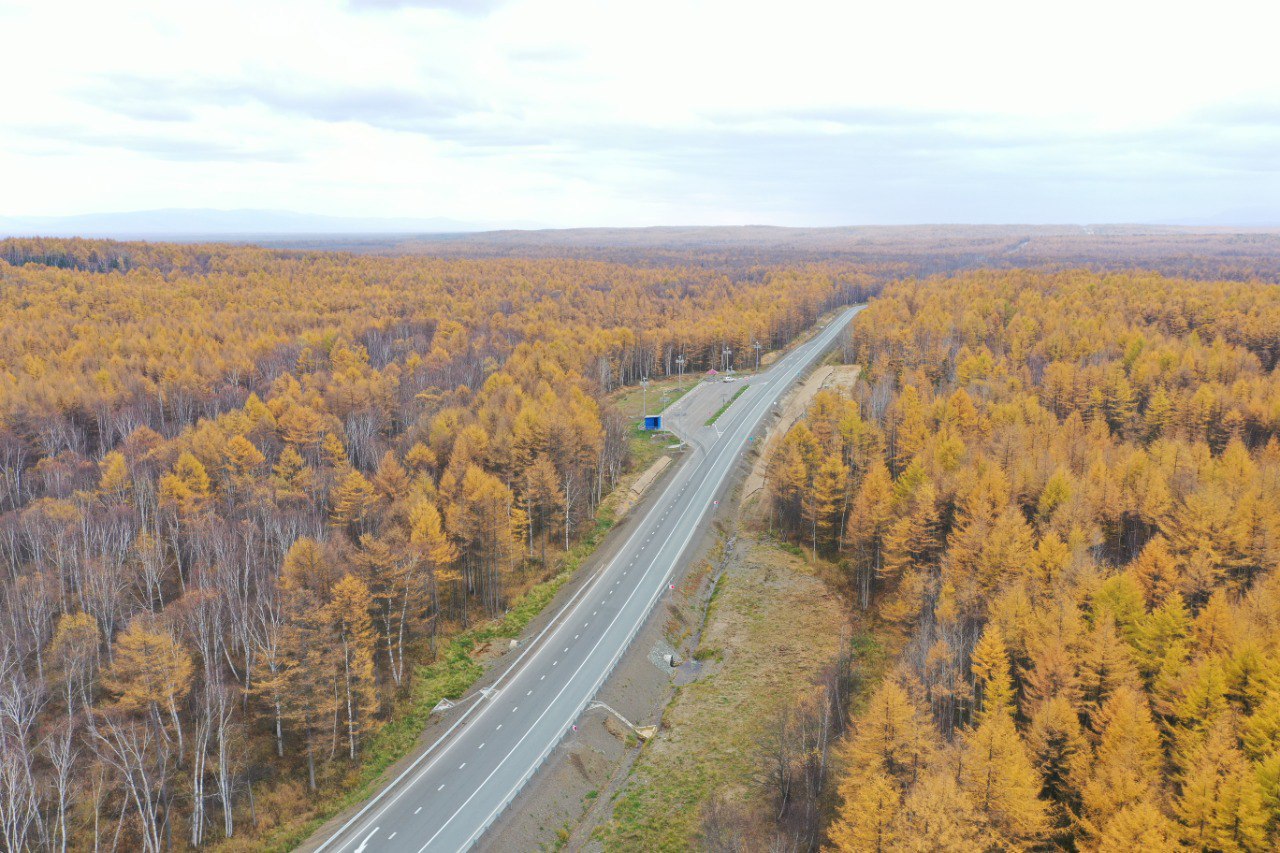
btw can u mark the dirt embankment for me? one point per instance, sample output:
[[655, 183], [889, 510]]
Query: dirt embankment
[[771, 629], [752, 628], [841, 378]]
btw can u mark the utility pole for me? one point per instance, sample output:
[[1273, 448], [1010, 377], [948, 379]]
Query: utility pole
[[680, 364], [757, 346], [644, 384], [724, 357]]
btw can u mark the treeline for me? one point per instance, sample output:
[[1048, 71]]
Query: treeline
[[245, 495], [1063, 492]]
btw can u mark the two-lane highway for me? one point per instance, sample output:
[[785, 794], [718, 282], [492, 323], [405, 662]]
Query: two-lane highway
[[450, 795]]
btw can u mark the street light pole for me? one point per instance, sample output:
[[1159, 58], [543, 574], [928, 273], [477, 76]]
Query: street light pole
[[644, 385], [757, 345], [725, 353], [680, 364]]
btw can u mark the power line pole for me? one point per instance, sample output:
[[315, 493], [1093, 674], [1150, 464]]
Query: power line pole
[[757, 346], [644, 384], [680, 364]]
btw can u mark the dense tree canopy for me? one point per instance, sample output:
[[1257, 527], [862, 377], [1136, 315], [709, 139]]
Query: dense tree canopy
[[1063, 492], [245, 494]]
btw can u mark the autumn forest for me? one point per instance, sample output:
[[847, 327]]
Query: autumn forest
[[258, 506], [1056, 497], [247, 498]]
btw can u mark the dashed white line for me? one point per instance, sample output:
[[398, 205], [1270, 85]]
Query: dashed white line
[[462, 765], [499, 727], [391, 836], [528, 693], [481, 746], [555, 663], [441, 788], [576, 636], [419, 808]]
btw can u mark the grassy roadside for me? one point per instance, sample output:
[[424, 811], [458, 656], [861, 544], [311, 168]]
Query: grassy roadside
[[661, 394], [771, 628], [647, 446], [453, 673], [720, 411], [456, 668]]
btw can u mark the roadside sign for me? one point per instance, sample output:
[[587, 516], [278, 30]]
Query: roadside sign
[[653, 422]]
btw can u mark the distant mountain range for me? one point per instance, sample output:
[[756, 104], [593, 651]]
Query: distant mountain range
[[188, 223], [312, 230]]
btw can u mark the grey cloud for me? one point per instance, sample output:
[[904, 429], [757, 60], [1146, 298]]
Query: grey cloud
[[471, 8], [154, 98], [162, 146], [872, 165], [148, 98], [549, 54], [865, 117], [1252, 114], [389, 108]]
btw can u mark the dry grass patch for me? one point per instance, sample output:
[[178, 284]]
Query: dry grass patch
[[772, 627]]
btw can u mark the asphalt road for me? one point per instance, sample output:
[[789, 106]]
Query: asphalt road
[[450, 795]]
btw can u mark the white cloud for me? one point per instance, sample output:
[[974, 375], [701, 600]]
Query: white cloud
[[581, 112]]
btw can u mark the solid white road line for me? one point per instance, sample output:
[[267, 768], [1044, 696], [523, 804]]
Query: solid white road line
[[644, 615], [442, 744], [514, 670], [794, 373]]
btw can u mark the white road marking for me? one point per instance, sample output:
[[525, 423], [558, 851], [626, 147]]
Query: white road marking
[[555, 662], [776, 377], [618, 654], [391, 836], [365, 843], [419, 808], [499, 728], [462, 765], [481, 746], [441, 788], [576, 636], [528, 693]]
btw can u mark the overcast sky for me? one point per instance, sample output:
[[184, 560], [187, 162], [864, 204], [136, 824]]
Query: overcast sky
[[585, 112]]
